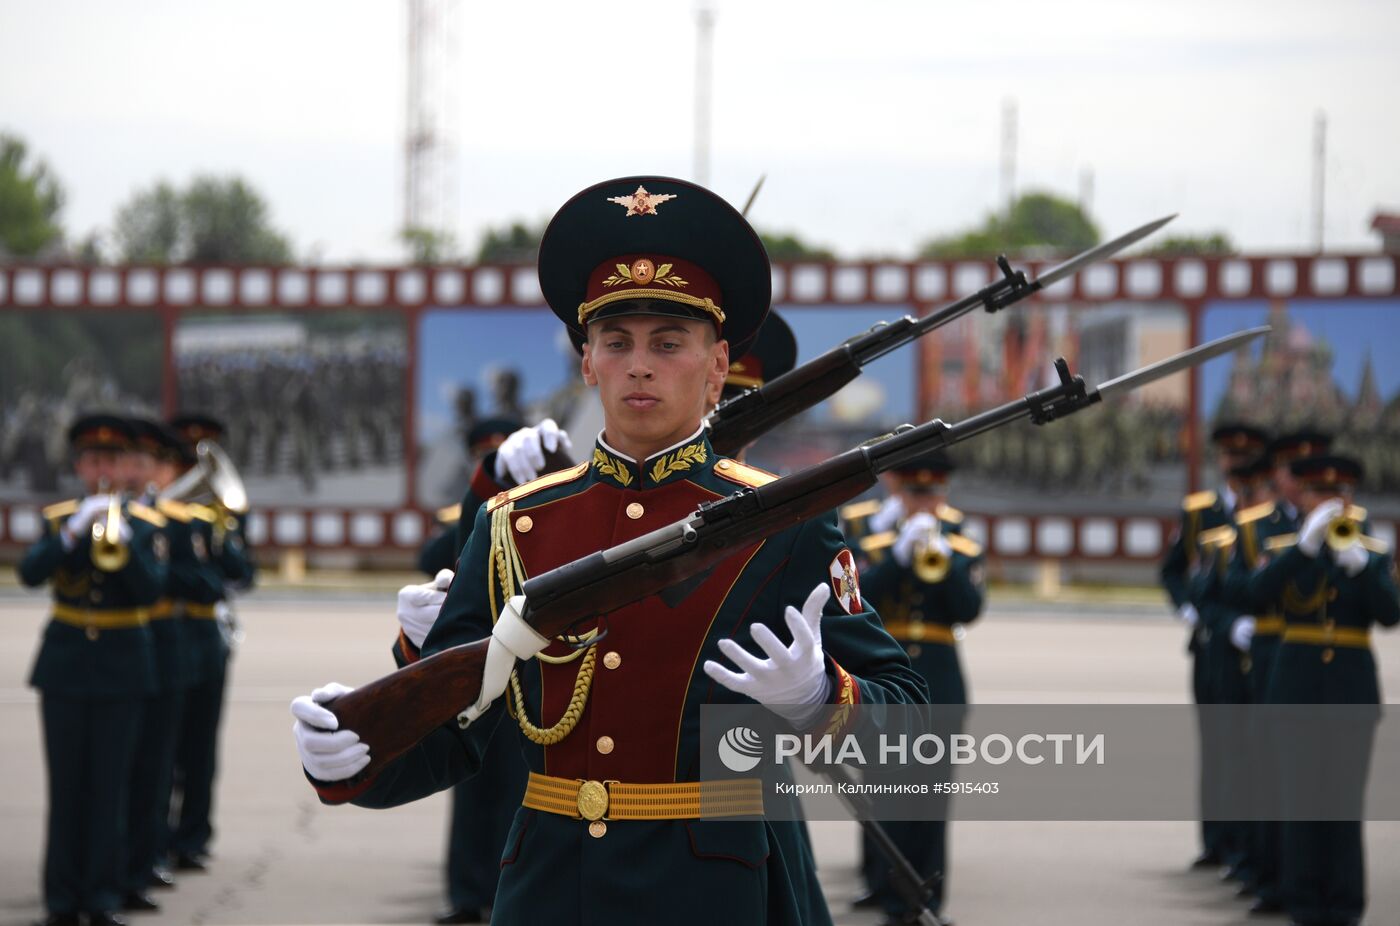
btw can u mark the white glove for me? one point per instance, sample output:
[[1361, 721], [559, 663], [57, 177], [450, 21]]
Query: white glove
[[792, 682], [327, 753], [1353, 559], [511, 639], [89, 510], [521, 456], [1314, 530], [912, 533], [1241, 632], [1188, 613], [419, 606], [891, 510]]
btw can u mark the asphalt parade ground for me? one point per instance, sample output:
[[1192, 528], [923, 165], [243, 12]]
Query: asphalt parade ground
[[282, 858]]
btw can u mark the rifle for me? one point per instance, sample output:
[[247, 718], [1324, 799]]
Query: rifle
[[395, 712], [737, 422]]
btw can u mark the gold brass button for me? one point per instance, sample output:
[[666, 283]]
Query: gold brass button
[[592, 800], [916, 630], [1328, 655], [635, 510], [605, 744], [612, 660], [524, 523], [597, 828], [92, 633], [915, 651], [722, 464]]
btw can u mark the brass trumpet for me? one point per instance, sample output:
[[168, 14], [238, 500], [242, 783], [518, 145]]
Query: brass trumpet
[[215, 480], [109, 553], [1343, 532], [930, 563]]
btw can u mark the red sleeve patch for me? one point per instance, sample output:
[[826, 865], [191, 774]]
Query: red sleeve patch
[[845, 582]]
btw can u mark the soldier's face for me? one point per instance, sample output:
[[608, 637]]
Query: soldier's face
[[922, 498], [1311, 498], [654, 375], [1286, 486], [97, 468], [164, 473], [138, 469]]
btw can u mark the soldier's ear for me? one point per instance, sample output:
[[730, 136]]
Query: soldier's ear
[[586, 366], [719, 357]]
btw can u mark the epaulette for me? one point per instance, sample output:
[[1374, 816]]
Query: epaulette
[[450, 515], [1356, 513], [175, 511], [1199, 501], [877, 541], [1281, 542], [204, 513], [538, 484], [857, 510], [1255, 513], [1222, 536], [61, 509], [1375, 544], [146, 514], [964, 545], [950, 514], [743, 474]]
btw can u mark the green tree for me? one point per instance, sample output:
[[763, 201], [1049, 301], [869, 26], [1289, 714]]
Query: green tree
[[30, 199], [517, 243], [785, 246], [428, 246], [213, 221], [1215, 244], [1039, 221]]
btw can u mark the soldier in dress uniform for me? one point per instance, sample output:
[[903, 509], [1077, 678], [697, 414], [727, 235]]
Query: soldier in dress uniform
[[206, 626], [155, 452], [1331, 583], [1236, 445], [655, 278], [106, 561], [1258, 630], [926, 582]]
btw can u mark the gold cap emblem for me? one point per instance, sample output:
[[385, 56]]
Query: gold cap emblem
[[641, 202]]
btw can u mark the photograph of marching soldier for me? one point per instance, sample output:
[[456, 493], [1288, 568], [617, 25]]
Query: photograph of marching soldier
[[209, 626], [1331, 583], [654, 278], [105, 557]]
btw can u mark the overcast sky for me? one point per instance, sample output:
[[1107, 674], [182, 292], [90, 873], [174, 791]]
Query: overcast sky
[[877, 122]]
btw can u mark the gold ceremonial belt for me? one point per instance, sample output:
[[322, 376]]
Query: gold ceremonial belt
[[205, 611], [919, 632], [163, 609], [114, 619], [1269, 626], [616, 800], [1328, 636]]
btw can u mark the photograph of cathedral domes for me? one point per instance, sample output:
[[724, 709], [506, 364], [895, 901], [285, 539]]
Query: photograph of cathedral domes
[[1324, 365]]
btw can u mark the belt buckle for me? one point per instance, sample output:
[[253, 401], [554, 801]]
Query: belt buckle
[[592, 799]]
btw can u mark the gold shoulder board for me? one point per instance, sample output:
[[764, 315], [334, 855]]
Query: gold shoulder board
[[1199, 501], [203, 513], [535, 485], [1281, 542], [146, 514], [1221, 536], [1255, 513], [856, 510], [61, 509], [964, 545], [176, 511], [450, 515], [743, 474], [950, 514], [1375, 544], [877, 541]]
